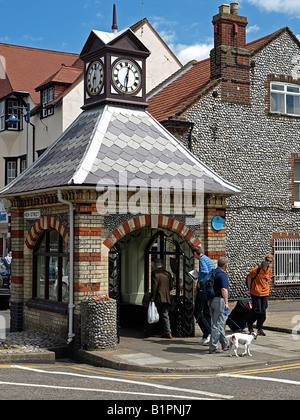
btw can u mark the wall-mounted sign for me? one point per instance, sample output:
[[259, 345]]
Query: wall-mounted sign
[[217, 223], [32, 214], [3, 217]]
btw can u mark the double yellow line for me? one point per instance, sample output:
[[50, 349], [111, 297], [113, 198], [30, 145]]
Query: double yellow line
[[191, 376]]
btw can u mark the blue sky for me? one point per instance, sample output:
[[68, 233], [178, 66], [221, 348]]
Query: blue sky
[[185, 25]]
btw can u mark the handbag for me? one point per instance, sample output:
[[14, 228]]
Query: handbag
[[153, 315]]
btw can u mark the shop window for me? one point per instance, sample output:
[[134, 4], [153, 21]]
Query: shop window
[[50, 277]]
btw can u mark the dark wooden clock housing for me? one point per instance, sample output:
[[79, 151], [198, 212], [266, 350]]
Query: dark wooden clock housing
[[108, 48]]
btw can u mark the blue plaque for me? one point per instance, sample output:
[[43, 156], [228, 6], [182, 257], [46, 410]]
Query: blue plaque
[[217, 222]]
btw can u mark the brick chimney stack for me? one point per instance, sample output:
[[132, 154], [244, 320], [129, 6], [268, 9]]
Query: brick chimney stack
[[230, 61]]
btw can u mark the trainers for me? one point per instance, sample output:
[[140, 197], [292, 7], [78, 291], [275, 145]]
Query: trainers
[[204, 341], [261, 332], [225, 348]]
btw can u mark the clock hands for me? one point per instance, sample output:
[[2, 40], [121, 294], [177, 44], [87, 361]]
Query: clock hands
[[126, 78]]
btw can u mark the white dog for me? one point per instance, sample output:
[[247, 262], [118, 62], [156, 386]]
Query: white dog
[[245, 339]]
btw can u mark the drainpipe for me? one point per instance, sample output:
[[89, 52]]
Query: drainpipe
[[71, 273]]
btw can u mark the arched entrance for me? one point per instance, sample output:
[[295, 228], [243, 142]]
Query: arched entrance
[[131, 261]]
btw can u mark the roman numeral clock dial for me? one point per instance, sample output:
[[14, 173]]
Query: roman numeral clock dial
[[126, 76], [95, 78]]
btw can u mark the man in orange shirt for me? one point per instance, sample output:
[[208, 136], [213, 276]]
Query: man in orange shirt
[[259, 290]]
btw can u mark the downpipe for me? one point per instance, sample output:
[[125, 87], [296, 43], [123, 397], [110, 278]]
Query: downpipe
[[71, 305]]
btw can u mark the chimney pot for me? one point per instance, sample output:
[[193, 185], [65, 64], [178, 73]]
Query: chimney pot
[[234, 8], [224, 8]]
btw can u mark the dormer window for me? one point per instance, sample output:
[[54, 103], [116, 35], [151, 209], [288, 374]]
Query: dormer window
[[285, 98], [47, 96]]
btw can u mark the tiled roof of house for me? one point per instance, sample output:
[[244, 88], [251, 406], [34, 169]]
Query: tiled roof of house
[[66, 75], [26, 68], [184, 88], [105, 142]]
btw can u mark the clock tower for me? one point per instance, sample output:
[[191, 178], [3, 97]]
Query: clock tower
[[114, 68]]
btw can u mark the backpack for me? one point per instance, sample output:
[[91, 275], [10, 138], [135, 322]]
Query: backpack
[[206, 289], [252, 280]]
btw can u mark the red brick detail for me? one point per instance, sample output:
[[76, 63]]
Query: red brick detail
[[170, 223], [197, 242], [215, 233], [44, 223], [81, 231], [108, 243], [87, 287], [18, 255], [145, 221], [117, 234], [136, 222], [160, 221], [16, 280], [215, 255], [126, 227], [180, 227], [87, 256], [284, 235], [17, 234], [17, 213]]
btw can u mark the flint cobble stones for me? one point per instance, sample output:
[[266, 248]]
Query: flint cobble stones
[[250, 147], [30, 342], [99, 324]]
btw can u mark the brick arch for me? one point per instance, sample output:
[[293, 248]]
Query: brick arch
[[45, 223], [164, 222]]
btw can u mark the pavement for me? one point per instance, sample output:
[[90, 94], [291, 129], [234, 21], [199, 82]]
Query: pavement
[[135, 352]]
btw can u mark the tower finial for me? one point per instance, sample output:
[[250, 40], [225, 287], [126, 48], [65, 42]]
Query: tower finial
[[114, 25]]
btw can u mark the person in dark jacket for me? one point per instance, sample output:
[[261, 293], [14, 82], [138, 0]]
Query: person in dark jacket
[[161, 284]]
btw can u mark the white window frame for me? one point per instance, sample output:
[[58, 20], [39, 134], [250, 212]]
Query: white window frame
[[11, 167], [296, 183], [286, 90], [18, 125], [287, 261]]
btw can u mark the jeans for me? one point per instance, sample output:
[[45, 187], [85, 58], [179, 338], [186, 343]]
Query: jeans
[[204, 320], [217, 308], [258, 311], [163, 310]]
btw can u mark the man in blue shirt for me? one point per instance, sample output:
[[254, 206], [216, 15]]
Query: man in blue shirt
[[217, 308], [202, 314]]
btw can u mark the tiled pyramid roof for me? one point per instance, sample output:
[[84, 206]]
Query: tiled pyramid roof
[[105, 142]]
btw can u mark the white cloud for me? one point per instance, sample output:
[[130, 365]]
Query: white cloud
[[32, 38], [186, 53], [252, 29], [281, 6]]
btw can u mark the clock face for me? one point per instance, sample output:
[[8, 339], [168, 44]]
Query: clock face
[[126, 76], [95, 78]]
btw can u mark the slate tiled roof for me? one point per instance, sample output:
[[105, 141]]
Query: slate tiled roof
[[105, 142], [170, 100]]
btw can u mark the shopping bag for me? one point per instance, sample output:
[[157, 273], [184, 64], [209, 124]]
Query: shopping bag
[[153, 316]]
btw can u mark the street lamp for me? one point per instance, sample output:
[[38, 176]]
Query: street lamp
[[13, 119]]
